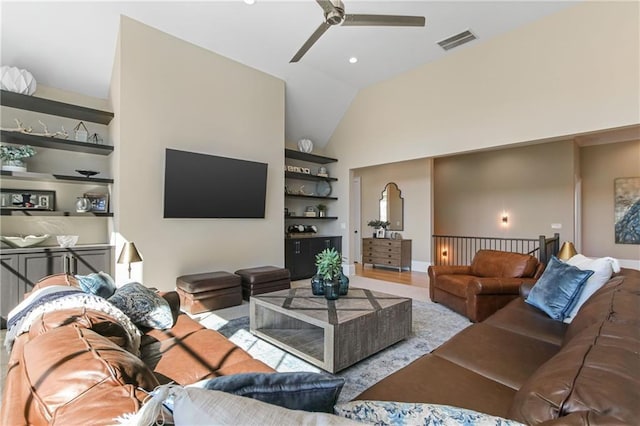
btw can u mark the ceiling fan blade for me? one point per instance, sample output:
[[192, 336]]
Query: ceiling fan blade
[[326, 5], [307, 45], [384, 20]]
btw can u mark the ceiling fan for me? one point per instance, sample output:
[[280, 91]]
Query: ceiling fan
[[334, 15]]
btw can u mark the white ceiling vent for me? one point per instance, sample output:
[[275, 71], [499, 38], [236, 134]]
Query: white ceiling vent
[[457, 40]]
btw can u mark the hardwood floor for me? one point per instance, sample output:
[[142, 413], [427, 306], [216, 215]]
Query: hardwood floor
[[414, 278]]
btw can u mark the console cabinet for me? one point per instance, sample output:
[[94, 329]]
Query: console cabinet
[[300, 254], [20, 269], [387, 252]]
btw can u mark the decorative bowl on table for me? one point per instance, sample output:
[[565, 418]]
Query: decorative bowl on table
[[22, 242], [67, 240]]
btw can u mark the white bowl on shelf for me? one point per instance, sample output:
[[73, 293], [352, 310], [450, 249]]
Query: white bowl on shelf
[[22, 242], [67, 240]]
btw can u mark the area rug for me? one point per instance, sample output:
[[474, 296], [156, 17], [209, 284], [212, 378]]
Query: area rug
[[433, 324]]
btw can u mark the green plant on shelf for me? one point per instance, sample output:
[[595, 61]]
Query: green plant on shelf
[[16, 153]]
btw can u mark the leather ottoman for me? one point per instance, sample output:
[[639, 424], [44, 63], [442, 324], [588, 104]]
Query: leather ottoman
[[208, 291], [263, 279]]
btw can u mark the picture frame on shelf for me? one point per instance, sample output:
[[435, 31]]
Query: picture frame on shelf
[[27, 199], [380, 233], [99, 202]]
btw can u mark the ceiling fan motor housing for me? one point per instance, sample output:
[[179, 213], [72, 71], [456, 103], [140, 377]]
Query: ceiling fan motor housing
[[335, 16]]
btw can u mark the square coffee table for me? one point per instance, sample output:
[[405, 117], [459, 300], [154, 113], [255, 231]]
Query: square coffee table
[[331, 334]]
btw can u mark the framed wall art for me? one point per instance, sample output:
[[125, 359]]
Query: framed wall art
[[627, 210]]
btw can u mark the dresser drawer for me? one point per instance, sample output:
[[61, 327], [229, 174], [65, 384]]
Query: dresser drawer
[[382, 261], [383, 255]]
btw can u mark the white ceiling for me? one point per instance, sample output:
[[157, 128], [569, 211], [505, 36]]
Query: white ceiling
[[71, 45]]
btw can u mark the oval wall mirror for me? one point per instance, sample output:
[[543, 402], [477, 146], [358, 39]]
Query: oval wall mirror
[[392, 207]]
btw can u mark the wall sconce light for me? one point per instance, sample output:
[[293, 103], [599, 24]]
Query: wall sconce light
[[444, 253], [505, 219], [129, 255]]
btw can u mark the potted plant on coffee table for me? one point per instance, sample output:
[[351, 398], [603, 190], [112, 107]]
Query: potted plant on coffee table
[[329, 264]]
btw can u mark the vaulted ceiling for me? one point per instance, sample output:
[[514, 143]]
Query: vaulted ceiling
[[71, 45]]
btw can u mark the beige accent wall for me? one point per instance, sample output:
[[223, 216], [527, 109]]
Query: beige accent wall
[[413, 180], [173, 94], [532, 184], [601, 165], [572, 72]]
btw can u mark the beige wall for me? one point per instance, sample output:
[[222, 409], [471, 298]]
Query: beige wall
[[601, 165], [532, 184], [413, 180], [572, 72], [176, 95]]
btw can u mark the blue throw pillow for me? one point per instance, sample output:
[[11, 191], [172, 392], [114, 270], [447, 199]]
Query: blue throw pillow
[[557, 290], [297, 391], [100, 284], [143, 306]]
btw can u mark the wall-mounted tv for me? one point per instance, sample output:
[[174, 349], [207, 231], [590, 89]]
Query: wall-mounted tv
[[207, 186]]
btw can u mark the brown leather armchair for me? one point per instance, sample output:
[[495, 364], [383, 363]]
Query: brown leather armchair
[[491, 281]]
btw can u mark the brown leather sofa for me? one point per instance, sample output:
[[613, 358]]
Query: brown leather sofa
[[521, 364], [491, 281], [75, 366]]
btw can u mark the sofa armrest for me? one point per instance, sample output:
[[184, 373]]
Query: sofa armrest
[[437, 270], [525, 288], [497, 285]]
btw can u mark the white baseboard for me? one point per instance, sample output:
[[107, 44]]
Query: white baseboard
[[419, 266], [629, 263], [348, 269]]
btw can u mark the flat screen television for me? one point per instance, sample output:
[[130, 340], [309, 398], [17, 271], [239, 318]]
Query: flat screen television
[[207, 186]]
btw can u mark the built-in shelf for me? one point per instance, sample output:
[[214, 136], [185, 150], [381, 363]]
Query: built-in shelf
[[48, 106], [314, 218], [304, 156], [55, 143], [310, 196], [306, 176], [55, 178], [31, 212]]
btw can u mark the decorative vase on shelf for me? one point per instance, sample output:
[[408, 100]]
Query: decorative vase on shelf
[[13, 79], [14, 166], [305, 145], [317, 285], [331, 289], [83, 205], [344, 284]]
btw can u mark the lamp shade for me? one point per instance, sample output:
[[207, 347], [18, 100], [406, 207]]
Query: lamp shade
[[129, 254], [567, 251]]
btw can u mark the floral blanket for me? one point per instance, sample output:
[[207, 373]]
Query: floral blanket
[[57, 298]]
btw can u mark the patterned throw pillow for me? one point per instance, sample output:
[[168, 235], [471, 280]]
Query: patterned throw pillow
[[306, 391], [100, 284], [558, 289], [143, 306], [409, 413]]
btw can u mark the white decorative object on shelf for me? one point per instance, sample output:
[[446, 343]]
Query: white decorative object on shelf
[[17, 80], [28, 241], [67, 240], [81, 132], [305, 145]]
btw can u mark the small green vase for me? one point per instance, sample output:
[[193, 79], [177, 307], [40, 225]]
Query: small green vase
[[317, 285]]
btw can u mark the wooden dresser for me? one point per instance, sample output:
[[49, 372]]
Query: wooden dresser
[[387, 252]]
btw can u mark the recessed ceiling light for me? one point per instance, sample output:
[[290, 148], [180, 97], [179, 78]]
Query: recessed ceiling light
[[353, 60], [249, 1]]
